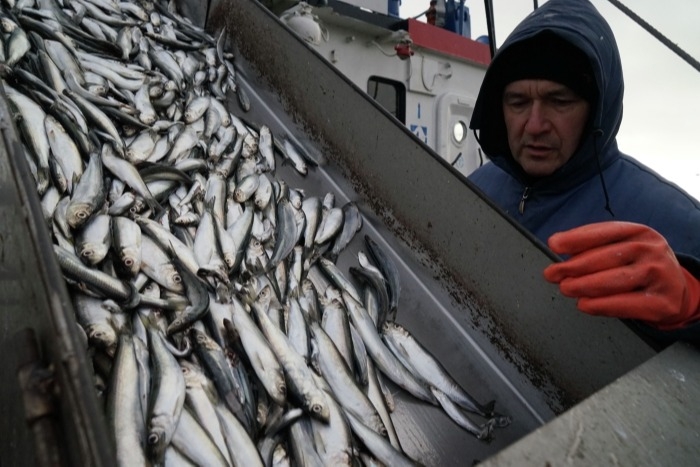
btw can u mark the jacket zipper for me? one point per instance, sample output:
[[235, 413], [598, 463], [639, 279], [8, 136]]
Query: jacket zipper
[[526, 194]]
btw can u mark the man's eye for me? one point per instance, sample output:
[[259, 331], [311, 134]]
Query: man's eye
[[517, 103], [563, 101]]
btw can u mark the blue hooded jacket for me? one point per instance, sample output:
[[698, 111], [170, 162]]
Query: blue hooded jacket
[[598, 183]]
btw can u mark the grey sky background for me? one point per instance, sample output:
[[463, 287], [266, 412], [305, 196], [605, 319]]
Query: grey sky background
[[660, 125]]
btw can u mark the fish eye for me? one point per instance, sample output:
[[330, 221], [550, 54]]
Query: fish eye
[[177, 279], [128, 262], [316, 408], [82, 215]]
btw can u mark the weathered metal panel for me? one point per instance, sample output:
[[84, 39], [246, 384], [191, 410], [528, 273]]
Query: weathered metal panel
[[647, 417], [33, 295]]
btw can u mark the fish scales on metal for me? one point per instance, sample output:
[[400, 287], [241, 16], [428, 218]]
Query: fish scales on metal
[[205, 283]]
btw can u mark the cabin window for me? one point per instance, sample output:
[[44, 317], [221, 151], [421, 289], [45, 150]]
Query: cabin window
[[389, 94], [459, 131]]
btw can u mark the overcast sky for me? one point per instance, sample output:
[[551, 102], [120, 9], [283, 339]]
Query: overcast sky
[[661, 122]]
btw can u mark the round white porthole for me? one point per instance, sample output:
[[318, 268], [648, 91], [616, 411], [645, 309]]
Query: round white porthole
[[459, 131]]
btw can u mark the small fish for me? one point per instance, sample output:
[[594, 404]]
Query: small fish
[[94, 240], [300, 382], [89, 194], [126, 238], [167, 396]]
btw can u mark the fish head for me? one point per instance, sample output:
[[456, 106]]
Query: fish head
[[230, 260], [77, 214], [157, 443], [172, 279], [92, 254], [103, 336], [130, 260], [318, 408]]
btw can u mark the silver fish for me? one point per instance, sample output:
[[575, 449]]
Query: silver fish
[[481, 431], [31, 125], [333, 440], [123, 407], [382, 356], [336, 323], [96, 280], [126, 239], [301, 441], [17, 46], [386, 265], [196, 108], [201, 400], [298, 375], [240, 445], [376, 396], [64, 150], [157, 265], [127, 173], [167, 396], [286, 233], [262, 358], [142, 102], [89, 194], [96, 320], [330, 225], [297, 328], [341, 380], [214, 362], [352, 223], [266, 147], [93, 241], [194, 443], [416, 357], [379, 446], [196, 294]]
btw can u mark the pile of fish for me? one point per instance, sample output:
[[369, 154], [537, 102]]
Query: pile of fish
[[219, 328]]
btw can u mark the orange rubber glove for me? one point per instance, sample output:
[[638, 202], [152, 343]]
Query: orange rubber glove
[[625, 270]]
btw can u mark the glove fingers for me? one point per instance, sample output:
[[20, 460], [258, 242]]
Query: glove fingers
[[591, 236], [633, 305], [589, 262], [619, 280]]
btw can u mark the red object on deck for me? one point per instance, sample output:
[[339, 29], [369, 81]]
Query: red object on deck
[[447, 42]]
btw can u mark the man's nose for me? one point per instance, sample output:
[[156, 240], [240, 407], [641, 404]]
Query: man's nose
[[537, 120]]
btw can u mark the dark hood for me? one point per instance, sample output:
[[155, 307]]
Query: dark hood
[[579, 23]]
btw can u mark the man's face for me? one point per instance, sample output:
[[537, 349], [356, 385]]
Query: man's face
[[544, 120]]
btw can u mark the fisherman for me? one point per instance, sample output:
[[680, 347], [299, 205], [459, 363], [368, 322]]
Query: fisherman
[[547, 115]]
